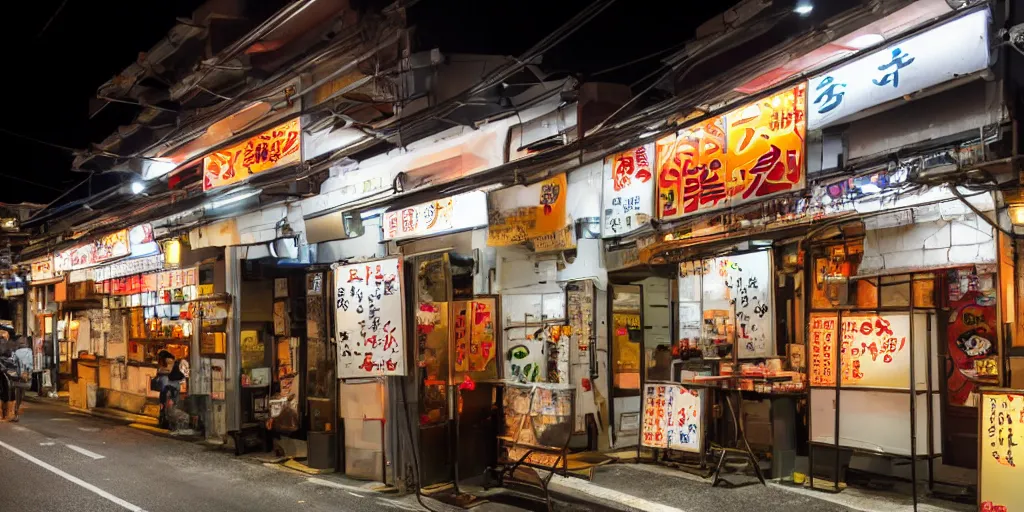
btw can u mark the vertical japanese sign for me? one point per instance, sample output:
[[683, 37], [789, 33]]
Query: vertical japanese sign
[[653, 429], [1000, 472], [823, 334], [750, 153], [369, 312], [874, 350], [275, 147], [543, 213], [957, 48], [628, 191], [475, 335]]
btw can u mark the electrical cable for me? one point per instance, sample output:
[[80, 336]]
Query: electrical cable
[[414, 450], [52, 17], [38, 141]]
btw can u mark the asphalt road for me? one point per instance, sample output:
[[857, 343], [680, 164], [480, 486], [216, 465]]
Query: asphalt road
[[58, 460]]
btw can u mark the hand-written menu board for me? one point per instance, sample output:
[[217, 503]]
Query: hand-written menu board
[[369, 312], [743, 283], [875, 350], [1002, 432], [823, 350], [672, 418]]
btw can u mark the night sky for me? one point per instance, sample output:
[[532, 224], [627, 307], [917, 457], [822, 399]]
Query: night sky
[[52, 74]]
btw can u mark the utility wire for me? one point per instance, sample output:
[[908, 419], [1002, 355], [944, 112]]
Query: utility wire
[[53, 17], [30, 182], [37, 141]]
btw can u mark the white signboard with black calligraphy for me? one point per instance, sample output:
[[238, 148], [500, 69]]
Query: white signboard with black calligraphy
[[628, 199], [370, 318], [739, 287], [951, 50]]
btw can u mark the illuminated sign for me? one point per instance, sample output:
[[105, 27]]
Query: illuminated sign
[[109, 247], [954, 49], [751, 153], [454, 213], [276, 147], [628, 191]]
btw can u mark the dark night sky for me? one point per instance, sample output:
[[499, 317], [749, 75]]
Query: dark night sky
[[52, 76]]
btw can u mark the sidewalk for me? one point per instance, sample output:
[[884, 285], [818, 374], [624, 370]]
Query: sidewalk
[[652, 488]]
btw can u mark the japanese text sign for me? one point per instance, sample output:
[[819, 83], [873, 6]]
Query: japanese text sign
[[370, 323], [738, 288], [751, 153], [106, 248], [42, 269], [874, 350], [672, 418], [275, 147], [954, 49], [543, 212], [628, 197], [1000, 472], [463, 211]]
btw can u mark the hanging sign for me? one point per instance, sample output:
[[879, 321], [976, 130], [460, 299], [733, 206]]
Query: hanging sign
[[1000, 471], [544, 214], [370, 323], [672, 418], [464, 211], [106, 248], [276, 147], [141, 241], [128, 267], [874, 349], [951, 50], [751, 153], [42, 269], [628, 191]]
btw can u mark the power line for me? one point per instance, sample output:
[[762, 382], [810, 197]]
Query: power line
[[53, 17], [30, 182], [37, 141]]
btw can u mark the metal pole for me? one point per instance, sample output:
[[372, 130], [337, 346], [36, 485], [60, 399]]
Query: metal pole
[[928, 403], [913, 399], [838, 383]]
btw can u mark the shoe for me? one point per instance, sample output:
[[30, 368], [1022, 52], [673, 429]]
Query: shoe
[[4, 418], [10, 413]]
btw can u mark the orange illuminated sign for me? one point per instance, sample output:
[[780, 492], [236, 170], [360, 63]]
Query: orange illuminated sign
[[753, 152], [276, 147]]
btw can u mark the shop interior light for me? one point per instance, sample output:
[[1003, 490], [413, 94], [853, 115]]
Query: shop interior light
[[1016, 212], [803, 7]]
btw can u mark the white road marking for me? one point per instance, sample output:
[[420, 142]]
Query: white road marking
[[356, 495], [400, 505], [88, 429], [336, 485], [19, 428], [87, 453], [75, 480], [578, 485], [48, 443]]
